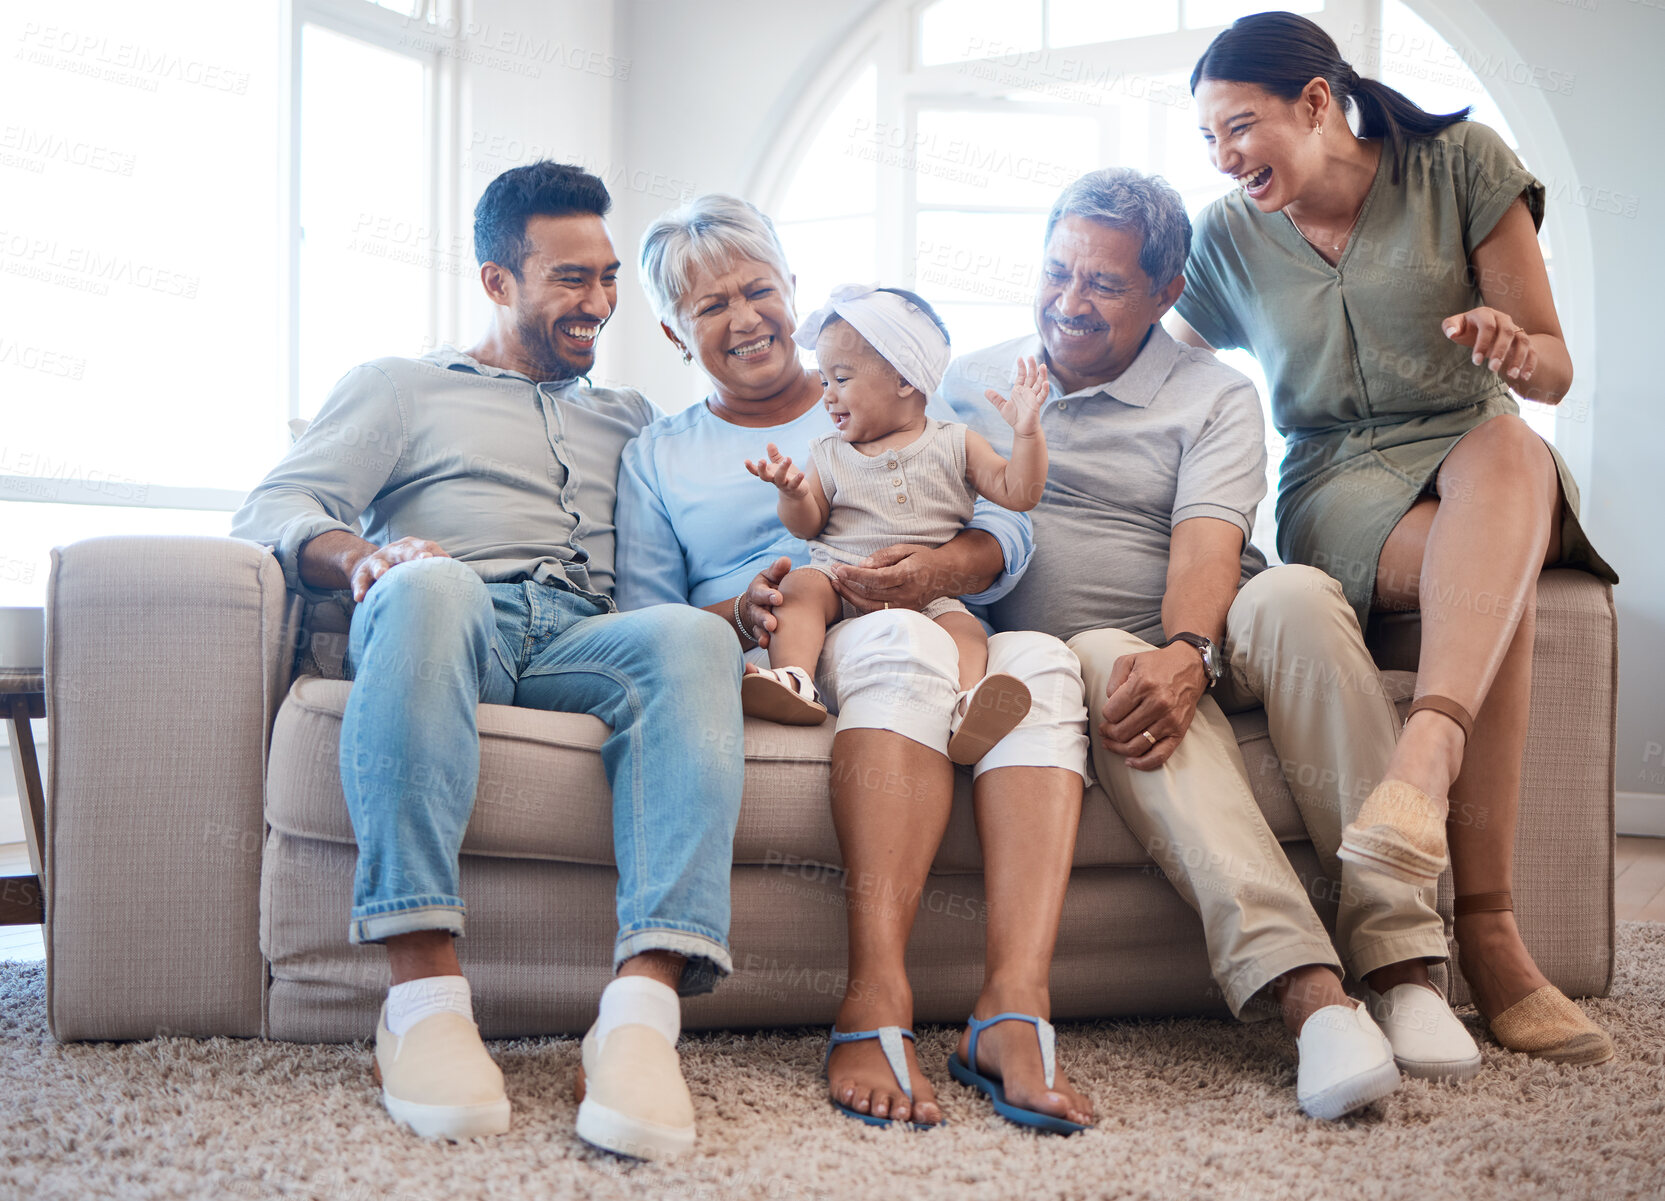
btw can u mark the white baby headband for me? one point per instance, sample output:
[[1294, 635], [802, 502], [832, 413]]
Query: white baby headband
[[901, 331]]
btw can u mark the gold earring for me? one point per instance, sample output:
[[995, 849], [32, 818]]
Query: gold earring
[[1318, 129]]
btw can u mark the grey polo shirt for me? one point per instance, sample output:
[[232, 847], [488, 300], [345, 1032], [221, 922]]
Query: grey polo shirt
[[1178, 435], [515, 478]]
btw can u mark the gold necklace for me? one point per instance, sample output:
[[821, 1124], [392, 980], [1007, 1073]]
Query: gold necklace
[[1356, 213]]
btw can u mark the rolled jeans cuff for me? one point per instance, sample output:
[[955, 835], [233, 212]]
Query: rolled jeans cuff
[[707, 957], [384, 920]]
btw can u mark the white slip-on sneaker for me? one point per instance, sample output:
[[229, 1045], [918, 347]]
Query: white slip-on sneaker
[[439, 1079], [632, 1097], [1428, 1040], [1346, 1062]]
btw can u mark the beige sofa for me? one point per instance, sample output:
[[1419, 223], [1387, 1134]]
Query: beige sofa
[[199, 856]]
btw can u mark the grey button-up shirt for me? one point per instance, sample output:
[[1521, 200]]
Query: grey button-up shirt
[[515, 478]]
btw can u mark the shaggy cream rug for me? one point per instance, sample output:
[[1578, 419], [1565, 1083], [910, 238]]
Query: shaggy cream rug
[[1190, 1109]]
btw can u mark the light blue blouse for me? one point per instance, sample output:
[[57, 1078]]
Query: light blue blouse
[[694, 526]]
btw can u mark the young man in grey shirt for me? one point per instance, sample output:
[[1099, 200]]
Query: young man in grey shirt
[[1142, 561], [466, 501]]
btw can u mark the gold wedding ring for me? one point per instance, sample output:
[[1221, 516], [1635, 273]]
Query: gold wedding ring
[[887, 604], [1149, 737]]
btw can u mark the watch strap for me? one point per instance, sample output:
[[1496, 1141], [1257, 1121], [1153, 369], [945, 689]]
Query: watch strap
[[1207, 649]]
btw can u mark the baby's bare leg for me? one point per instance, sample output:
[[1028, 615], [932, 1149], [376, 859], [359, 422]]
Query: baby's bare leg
[[972, 644], [809, 606]]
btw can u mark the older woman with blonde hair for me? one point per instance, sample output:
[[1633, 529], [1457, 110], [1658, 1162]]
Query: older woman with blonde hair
[[694, 527]]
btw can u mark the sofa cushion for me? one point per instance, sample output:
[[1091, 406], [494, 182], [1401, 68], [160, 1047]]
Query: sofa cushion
[[540, 935], [543, 793]]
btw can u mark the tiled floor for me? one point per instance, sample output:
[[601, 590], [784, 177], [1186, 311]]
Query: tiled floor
[[1639, 880], [1639, 875], [18, 942]]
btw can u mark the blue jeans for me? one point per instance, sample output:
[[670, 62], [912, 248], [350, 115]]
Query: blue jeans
[[432, 640]]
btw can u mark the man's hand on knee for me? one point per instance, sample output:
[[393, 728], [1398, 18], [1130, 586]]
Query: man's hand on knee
[[1150, 703], [370, 567]]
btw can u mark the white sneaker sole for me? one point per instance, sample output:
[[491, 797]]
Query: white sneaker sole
[[1353, 1093], [1437, 1069], [613, 1131], [454, 1122]]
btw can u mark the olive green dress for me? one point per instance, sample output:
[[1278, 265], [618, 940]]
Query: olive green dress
[[1366, 388]]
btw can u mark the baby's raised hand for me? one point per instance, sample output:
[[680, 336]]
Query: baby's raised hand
[[1029, 392], [777, 469]]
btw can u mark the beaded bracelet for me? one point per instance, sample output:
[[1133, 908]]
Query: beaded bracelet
[[741, 626]]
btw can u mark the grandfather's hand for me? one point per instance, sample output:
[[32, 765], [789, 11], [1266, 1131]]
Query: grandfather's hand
[[373, 566], [904, 576], [1154, 690], [758, 601]]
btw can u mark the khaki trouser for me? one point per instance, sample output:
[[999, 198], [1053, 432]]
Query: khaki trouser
[[1292, 645]]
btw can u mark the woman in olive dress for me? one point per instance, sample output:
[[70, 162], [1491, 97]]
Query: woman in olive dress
[[1391, 286]]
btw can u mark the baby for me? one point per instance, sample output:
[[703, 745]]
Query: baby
[[889, 474]]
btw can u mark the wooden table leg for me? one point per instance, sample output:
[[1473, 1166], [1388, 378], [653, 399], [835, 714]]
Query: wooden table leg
[[27, 768], [22, 899], [21, 903]]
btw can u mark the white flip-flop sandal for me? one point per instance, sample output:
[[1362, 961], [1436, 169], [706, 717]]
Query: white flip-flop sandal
[[985, 715], [782, 694]]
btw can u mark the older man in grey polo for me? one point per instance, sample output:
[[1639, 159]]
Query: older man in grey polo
[[1142, 562]]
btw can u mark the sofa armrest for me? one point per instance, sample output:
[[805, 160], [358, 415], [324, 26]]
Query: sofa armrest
[[1564, 836], [166, 659], [1564, 841]]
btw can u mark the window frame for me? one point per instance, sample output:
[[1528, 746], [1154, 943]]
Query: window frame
[[366, 21], [369, 22]]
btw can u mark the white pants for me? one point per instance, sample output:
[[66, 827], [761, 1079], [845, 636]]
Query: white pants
[[897, 670]]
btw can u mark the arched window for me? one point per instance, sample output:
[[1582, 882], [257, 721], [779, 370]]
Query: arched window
[[930, 152]]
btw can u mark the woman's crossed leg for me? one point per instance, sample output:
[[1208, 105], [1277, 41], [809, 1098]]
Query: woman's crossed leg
[[1470, 560]]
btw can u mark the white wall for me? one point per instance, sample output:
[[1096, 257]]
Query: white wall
[[712, 83], [532, 85], [1611, 54]]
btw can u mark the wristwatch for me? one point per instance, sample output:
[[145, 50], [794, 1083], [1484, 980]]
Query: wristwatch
[[1212, 666]]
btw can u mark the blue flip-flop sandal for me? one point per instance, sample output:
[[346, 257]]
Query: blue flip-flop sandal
[[890, 1042], [971, 1077]]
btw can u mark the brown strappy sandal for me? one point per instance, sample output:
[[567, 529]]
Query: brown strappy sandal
[[1544, 1024], [1400, 830]]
